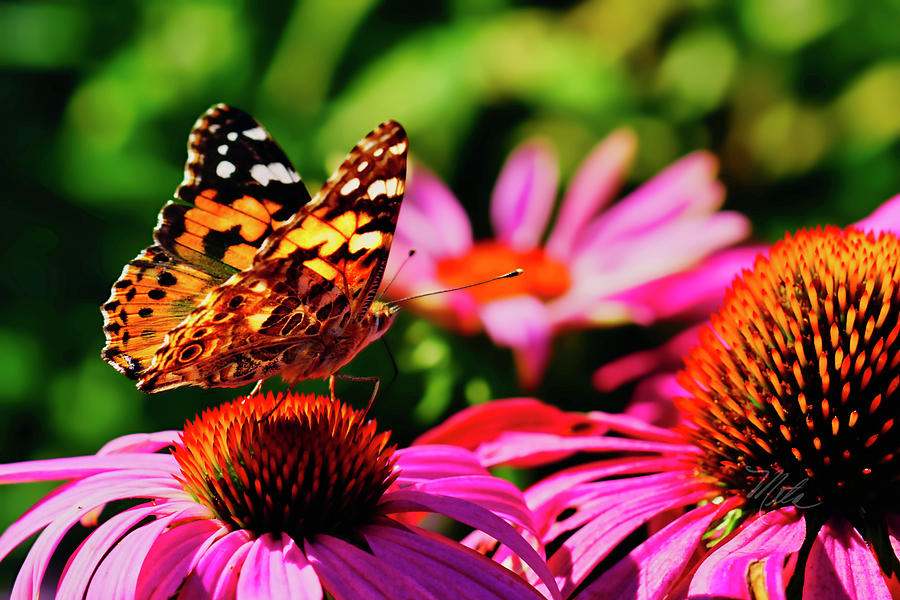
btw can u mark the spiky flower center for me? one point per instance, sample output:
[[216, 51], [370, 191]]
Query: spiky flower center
[[794, 388], [542, 276], [298, 464]]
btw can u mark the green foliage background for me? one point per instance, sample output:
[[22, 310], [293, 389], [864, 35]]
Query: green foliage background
[[800, 99]]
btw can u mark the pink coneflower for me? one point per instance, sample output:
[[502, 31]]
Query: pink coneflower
[[271, 497], [578, 275], [693, 295], [784, 479]]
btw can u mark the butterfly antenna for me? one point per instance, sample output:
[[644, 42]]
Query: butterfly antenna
[[400, 268], [509, 275]]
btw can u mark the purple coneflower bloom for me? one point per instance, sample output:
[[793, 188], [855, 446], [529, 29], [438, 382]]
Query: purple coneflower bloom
[[783, 479], [272, 497], [592, 256]]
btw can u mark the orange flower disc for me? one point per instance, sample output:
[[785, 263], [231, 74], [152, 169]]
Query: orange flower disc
[[311, 466]]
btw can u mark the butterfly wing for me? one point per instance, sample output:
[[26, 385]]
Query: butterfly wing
[[238, 187], [309, 284]]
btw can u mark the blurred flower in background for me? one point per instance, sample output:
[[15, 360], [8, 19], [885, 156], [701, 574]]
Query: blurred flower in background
[[581, 274], [270, 497], [783, 479]]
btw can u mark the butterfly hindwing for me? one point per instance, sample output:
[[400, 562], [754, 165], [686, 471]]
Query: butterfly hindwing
[[301, 306], [238, 187]]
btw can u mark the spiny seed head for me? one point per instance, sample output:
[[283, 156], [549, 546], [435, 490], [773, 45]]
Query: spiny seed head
[[794, 387], [297, 464]]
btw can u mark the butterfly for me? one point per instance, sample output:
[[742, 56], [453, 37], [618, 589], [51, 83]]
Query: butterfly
[[249, 277]]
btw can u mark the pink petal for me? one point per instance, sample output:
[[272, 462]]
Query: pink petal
[[524, 194], [687, 187], [431, 218], [497, 495], [523, 324], [174, 555], [83, 466], [885, 218], [769, 538], [117, 575], [141, 443], [433, 461], [585, 548], [216, 574], [453, 570], [693, 293], [276, 568], [83, 562], [86, 493], [474, 516], [651, 570], [841, 566], [542, 492], [349, 573], [485, 422], [593, 186]]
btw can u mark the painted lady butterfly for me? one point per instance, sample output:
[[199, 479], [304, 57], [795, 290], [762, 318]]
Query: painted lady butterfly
[[248, 277]]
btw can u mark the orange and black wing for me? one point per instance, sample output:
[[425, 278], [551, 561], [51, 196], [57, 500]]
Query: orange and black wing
[[238, 187], [324, 265]]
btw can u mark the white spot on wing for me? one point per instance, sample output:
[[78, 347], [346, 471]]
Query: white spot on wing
[[257, 133], [224, 169], [273, 172], [391, 186], [397, 148], [376, 188], [362, 166], [378, 152], [223, 149], [232, 135], [350, 186]]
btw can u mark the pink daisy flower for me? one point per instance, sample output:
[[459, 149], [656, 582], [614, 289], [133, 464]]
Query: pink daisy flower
[[580, 274], [693, 294], [784, 478], [272, 497]]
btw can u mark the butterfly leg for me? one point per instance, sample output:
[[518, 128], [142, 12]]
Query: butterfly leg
[[331, 385], [256, 388], [357, 378]]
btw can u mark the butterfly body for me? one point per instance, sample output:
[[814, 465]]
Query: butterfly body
[[249, 278]]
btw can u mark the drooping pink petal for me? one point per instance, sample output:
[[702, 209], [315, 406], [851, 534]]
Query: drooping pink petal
[[118, 573], [497, 495], [87, 493], [476, 517], [593, 186], [139, 443], [540, 494], [349, 573], [216, 574], [769, 538], [696, 292], [652, 401], [274, 568], [83, 466], [523, 324], [687, 187], [585, 548], [174, 555], [651, 569], [631, 426], [454, 571], [78, 572], [431, 219], [885, 218], [524, 194], [478, 424], [841, 566], [434, 461]]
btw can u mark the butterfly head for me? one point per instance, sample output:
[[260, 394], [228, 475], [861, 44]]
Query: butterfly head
[[381, 315]]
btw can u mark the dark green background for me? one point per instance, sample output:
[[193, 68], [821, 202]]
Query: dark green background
[[800, 100]]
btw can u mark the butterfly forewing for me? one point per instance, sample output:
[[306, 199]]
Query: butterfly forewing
[[301, 308], [238, 187]]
